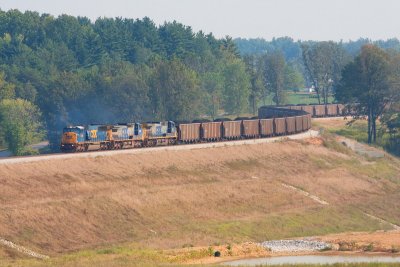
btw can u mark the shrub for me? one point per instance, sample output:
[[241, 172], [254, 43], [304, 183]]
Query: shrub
[[210, 251], [229, 248], [395, 249], [370, 247]]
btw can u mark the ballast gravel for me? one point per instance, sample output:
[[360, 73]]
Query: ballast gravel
[[294, 245]]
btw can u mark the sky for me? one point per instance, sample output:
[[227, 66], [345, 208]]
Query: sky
[[300, 19]]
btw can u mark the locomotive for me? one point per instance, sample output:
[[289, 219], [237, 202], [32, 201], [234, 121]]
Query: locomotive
[[107, 137]]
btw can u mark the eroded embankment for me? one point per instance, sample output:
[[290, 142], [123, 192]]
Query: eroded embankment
[[171, 199]]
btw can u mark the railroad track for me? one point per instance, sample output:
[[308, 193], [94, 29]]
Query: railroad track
[[101, 153]]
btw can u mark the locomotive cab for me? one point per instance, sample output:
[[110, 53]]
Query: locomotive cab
[[171, 127], [72, 136]]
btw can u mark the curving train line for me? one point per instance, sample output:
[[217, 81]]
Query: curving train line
[[271, 121]]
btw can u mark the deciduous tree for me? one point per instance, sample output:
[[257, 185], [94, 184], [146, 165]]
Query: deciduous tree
[[274, 76], [236, 87], [20, 124], [367, 82], [175, 91], [324, 62]]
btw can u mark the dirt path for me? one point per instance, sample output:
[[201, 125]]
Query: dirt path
[[395, 226], [304, 193]]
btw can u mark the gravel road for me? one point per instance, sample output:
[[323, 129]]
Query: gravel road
[[13, 160]]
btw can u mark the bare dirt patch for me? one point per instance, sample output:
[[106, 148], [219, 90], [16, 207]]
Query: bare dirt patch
[[380, 241], [330, 122]]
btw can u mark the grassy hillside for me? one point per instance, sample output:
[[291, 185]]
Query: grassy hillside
[[130, 207]]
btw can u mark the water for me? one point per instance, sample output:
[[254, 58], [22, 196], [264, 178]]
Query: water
[[312, 259]]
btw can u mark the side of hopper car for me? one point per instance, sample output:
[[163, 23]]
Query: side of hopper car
[[319, 110], [231, 129], [250, 128], [211, 131], [266, 127], [304, 118], [189, 132], [290, 125], [299, 123], [280, 126], [331, 110], [308, 109]]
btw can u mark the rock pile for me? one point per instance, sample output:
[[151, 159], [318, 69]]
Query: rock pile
[[22, 249], [294, 245]]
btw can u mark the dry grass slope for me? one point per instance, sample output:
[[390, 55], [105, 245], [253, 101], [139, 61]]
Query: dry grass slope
[[198, 197]]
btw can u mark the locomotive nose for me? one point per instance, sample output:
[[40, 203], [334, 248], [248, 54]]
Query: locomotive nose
[[69, 142], [69, 138]]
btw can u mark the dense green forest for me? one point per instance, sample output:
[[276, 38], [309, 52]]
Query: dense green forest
[[113, 70], [56, 71]]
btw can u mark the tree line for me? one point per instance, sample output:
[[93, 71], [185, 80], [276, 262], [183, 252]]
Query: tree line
[[74, 71]]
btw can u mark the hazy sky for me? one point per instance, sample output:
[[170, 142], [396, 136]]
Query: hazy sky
[[299, 19]]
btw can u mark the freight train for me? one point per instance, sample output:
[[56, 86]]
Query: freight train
[[271, 121]]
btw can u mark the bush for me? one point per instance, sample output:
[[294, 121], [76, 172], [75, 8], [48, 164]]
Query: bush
[[229, 248], [210, 251], [347, 246], [369, 248], [328, 248], [393, 145]]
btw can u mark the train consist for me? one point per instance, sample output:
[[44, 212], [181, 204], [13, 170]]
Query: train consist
[[271, 121]]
